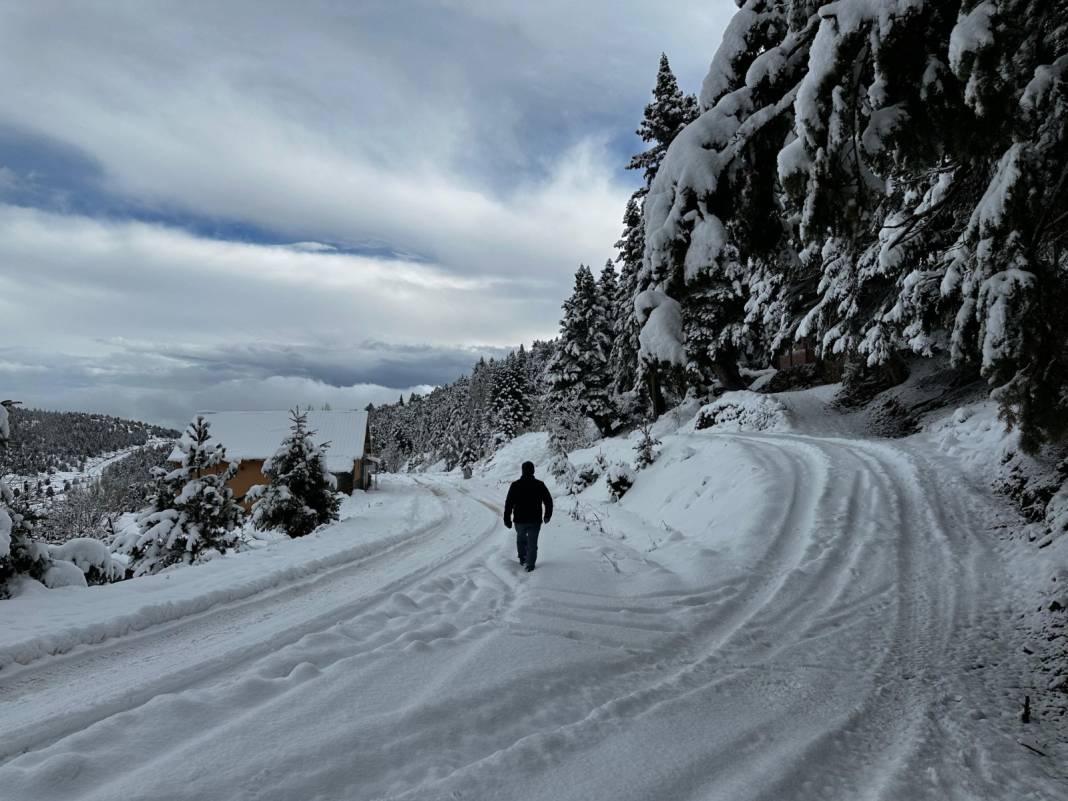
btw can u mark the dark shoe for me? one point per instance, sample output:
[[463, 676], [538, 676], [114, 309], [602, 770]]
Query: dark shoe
[[530, 568], [522, 561]]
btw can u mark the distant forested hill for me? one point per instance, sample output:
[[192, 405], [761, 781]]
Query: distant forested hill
[[62, 440]]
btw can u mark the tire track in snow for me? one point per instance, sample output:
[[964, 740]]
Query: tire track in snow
[[640, 684], [788, 716], [905, 567], [93, 692]]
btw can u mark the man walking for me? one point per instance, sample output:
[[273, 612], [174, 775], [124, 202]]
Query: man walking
[[525, 502]]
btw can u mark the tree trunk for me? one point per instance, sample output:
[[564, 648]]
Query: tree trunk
[[727, 372], [656, 397]]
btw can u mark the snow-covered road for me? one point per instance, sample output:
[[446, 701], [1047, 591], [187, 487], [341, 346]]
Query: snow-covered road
[[764, 616]]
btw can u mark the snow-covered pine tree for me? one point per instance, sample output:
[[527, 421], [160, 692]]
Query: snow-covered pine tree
[[5, 422], [877, 177], [645, 452], [468, 456], [538, 359], [301, 494], [20, 554], [563, 436], [929, 170], [668, 113], [453, 439], [579, 370], [714, 223], [1007, 272], [630, 249], [608, 290], [191, 514], [510, 408], [461, 414]]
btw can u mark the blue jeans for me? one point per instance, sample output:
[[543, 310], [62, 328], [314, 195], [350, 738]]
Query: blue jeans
[[526, 542]]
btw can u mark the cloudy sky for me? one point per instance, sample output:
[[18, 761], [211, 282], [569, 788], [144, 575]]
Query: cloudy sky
[[254, 204]]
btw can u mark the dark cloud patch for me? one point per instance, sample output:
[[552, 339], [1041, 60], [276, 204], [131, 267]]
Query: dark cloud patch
[[169, 383], [368, 362]]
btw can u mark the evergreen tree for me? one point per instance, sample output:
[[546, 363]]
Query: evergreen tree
[[463, 416], [630, 248], [646, 449], [665, 116], [191, 514], [510, 410], [887, 180], [20, 554], [579, 371], [301, 494], [468, 456], [608, 292]]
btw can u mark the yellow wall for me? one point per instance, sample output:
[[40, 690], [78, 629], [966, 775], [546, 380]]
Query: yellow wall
[[249, 474]]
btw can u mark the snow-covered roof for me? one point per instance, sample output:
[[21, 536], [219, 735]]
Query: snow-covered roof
[[257, 435]]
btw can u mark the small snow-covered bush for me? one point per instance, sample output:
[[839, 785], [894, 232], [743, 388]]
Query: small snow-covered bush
[[742, 411], [1057, 512], [92, 557], [647, 448], [620, 478], [561, 469], [20, 554], [585, 475], [63, 574]]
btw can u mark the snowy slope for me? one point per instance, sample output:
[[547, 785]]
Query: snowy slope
[[784, 614]]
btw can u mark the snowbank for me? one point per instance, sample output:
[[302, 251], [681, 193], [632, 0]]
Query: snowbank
[[743, 411], [975, 436], [504, 466], [91, 557], [35, 623]]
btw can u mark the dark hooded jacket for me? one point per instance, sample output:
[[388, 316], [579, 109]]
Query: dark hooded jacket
[[525, 500]]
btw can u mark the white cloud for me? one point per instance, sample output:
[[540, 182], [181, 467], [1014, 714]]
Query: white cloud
[[436, 128], [481, 137], [65, 278]]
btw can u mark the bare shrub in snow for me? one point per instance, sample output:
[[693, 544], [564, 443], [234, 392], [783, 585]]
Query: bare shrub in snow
[[589, 519]]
